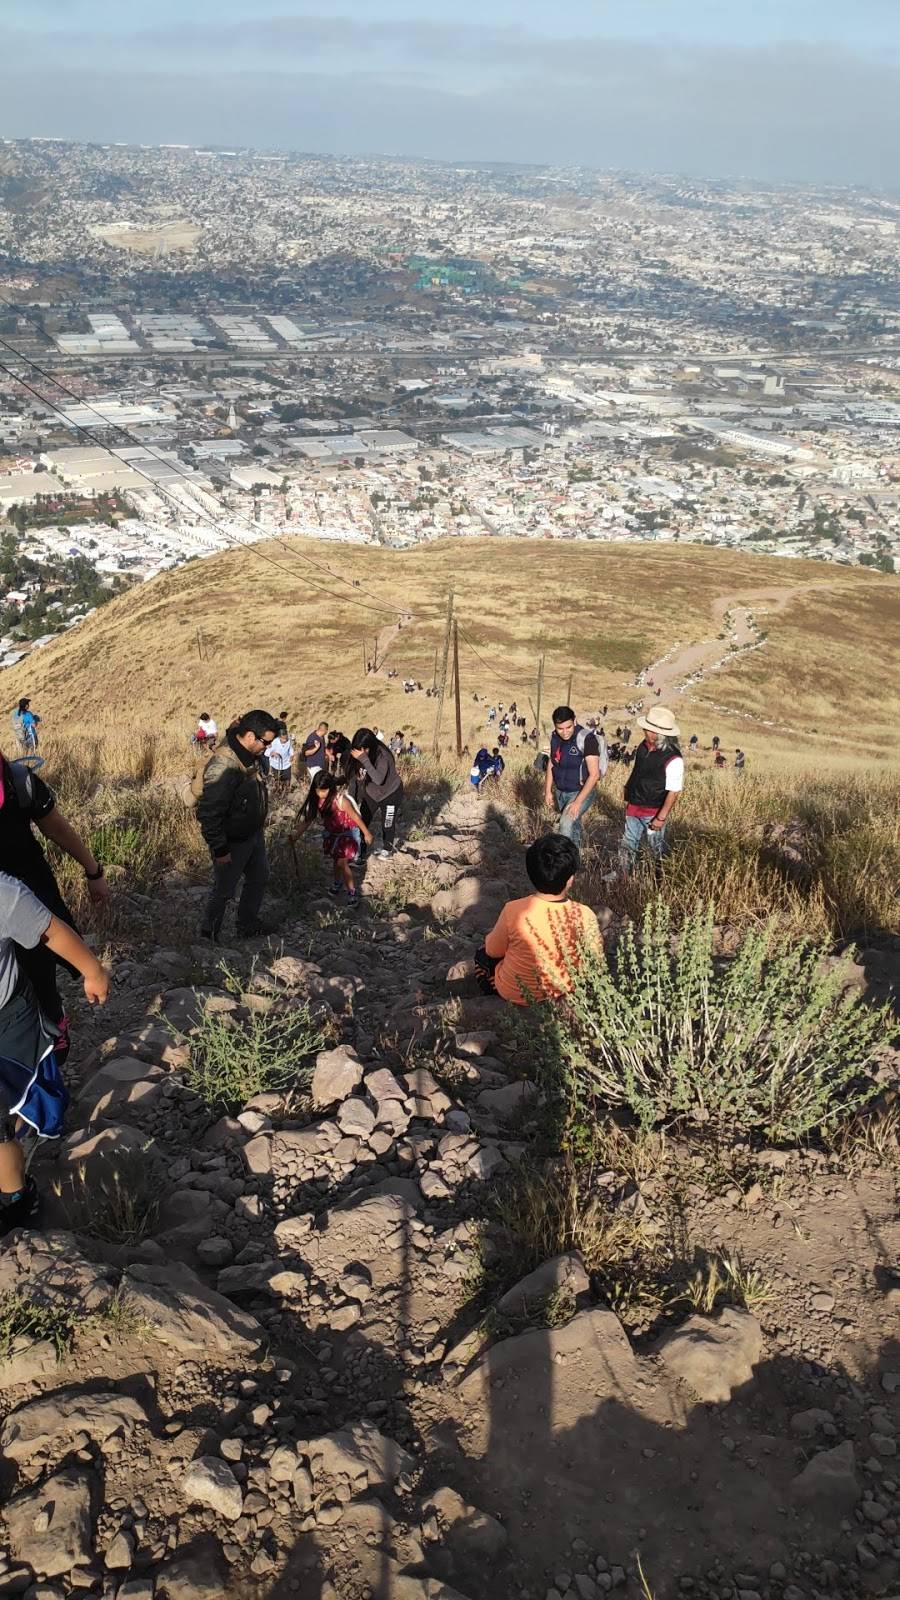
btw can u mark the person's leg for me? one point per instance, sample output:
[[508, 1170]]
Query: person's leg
[[390, 818], [256, 876], [569, 827], [485, 967], [635, 829], [224, 887]]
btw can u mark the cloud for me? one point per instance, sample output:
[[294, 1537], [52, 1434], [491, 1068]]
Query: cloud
[[790, 112]]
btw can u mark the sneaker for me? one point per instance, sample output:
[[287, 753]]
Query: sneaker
[[24, 1211], [354, 899], [383, 855], [334, 890]]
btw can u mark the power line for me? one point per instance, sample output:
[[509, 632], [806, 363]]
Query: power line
[[198, 510], [505, 681], [124, 433]]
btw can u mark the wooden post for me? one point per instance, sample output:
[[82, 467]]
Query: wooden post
[[443, 684], [434, 673], [365, 660], [456, 682], [569, 689], [540, 690]]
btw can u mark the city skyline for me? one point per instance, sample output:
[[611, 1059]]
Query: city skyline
[[786, 92]]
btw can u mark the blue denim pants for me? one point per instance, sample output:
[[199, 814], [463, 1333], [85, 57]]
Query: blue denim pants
[[570, 827], [637, 831]]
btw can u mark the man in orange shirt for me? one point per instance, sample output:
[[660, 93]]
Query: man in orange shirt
[[537, 942]]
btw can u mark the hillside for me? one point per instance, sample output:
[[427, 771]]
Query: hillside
[[263, 626]]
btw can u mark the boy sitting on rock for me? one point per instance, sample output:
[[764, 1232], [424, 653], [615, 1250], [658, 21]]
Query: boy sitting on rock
[[537, 943]]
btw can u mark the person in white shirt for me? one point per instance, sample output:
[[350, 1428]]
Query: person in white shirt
[[207, 732], [655, 782], [281, 761]]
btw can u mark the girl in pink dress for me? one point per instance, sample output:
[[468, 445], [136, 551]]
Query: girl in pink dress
[[343, 829]]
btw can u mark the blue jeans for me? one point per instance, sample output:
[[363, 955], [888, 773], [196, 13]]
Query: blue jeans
[[570, 827], [637, 830]]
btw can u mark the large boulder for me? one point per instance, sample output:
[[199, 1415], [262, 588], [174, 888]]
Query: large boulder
[[471, 1535], [828, 1484], [714, 1356], [50, 1269], [561, 1273], [211, 1481], [187, 1317], [373, 1232], [369, 1459], [48, 1425], [118, 1085], [335, 1076], [588, 1358], [52, 1527]]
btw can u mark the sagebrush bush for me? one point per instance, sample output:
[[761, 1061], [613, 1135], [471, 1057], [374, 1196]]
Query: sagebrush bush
[[771, 1042], [231, 1062]]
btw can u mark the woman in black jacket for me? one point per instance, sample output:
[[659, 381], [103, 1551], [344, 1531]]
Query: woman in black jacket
[[380, 787]]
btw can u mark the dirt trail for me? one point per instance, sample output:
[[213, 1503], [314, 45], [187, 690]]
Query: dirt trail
[[385, 639]]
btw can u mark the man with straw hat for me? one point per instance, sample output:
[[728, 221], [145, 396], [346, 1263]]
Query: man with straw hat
[[654, 784]]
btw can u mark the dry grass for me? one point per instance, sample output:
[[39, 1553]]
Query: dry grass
[[138, 657]]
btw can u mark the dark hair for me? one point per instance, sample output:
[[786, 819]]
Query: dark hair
[[341, 757], [563, 714], [322, 780], [551, 861], [283, 715], [25, 702], [364, 739], [203, 717], [258, 722]]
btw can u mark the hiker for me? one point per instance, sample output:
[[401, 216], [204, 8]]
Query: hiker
[[715, 743], [653, 787], [25, 727], [281, 761], [232, 809], [693, 744], [380, 787], [480, 767], [337, 754], [740, 760], [537, 943], [497, 767], [343, 830], [720, 760], [31, 1088], [492, 714], [27, 803], [205, 734], [578, 760], [396, 744], [314, 749]]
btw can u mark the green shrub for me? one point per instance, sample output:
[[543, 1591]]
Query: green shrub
[[23, 1318], [230, 1062], [771, 1042]]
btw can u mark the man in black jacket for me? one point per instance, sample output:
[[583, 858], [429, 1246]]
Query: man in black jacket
[[232, 812]]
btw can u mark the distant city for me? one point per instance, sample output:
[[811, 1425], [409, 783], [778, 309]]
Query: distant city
[[207, 347]]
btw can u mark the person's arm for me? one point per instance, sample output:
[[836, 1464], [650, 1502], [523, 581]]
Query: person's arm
[[311, 747], [65, 943], [548, 784], [213, 806], [300, 826], [497, 942], [360, 824], [674, 783], [587, 788], [54, 826]]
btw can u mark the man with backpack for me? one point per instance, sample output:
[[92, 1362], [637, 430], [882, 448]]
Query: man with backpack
[[577, 762], [25, 727], [232, 804]]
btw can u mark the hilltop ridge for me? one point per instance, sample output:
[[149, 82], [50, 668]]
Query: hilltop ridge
[[809, 658]]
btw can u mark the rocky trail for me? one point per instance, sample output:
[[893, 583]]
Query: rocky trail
[[305, 1361]]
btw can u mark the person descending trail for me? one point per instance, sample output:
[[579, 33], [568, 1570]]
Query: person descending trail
[[481, 766], [343, 830], [26, 804], [32, 1094], [25, 727], [281, 762], [232, 808], [578, 760], [653, 787], [380, 787]]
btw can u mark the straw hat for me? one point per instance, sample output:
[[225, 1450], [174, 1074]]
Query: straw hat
[[659, 719]]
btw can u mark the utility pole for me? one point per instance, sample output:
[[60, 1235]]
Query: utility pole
[[199, 645], [365, 659], [540, 690], [569, 689], [456, 682], [434, 673], [443, 684]]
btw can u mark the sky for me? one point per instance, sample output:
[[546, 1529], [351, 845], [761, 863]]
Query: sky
[[775, 90]]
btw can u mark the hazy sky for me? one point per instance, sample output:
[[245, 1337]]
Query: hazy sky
[[784, 89]]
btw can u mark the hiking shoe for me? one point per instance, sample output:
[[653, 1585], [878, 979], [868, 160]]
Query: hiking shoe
[[252, 930], [383, 855], [354, 899], [334, 890], [24, 1211]]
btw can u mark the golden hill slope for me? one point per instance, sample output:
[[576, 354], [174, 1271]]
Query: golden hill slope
[[827, 676]]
